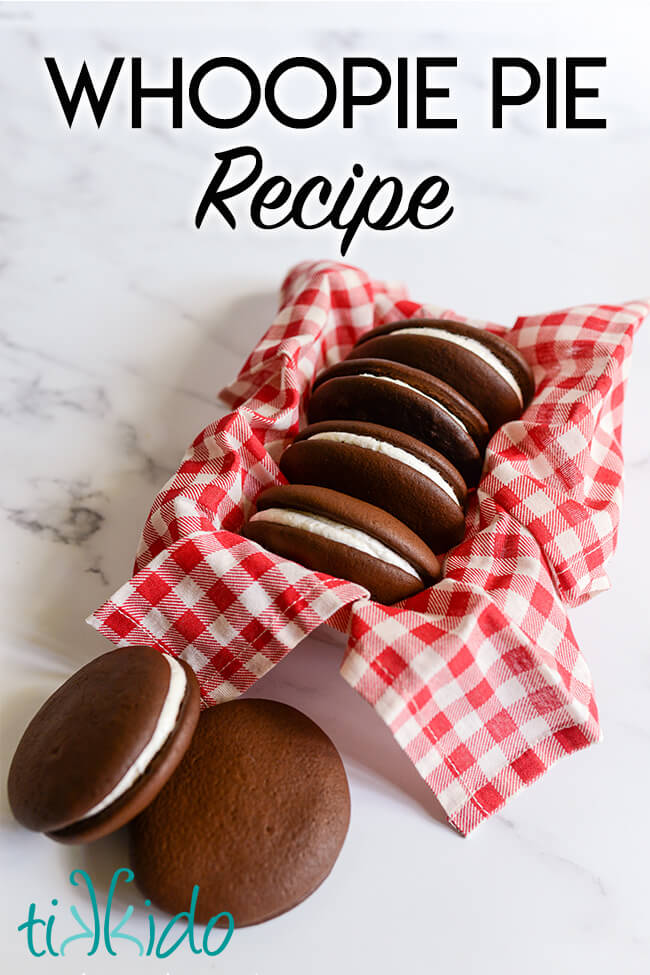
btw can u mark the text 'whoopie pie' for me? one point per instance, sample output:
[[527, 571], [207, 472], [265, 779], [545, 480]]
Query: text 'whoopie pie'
[[384, 467], [485, 368], [104, 744], [395, 395], [330, 532]]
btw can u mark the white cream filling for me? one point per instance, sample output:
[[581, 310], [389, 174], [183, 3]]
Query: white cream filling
[[413, 389], [470, 345], [335, 532], [390, 450], [164, 727]]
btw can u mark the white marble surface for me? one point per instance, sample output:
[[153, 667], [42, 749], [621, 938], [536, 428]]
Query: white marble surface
[[119, 324]]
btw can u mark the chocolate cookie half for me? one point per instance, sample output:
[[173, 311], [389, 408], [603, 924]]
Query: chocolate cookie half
[[104, 744], [485, 368], [344, 537], [392, 394], [255, 815], [386, 468]]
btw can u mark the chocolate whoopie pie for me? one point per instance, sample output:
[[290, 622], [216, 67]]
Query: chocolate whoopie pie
[[255, 814], [485, 368], [386, 468], [330, 532], [104, 744], [395, 395]]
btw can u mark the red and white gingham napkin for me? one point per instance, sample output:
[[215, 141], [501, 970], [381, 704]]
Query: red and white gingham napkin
[[479, 677]]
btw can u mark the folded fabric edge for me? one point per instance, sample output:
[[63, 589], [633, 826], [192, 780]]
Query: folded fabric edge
[[519, 774], [122, 620], [467, 808], [637, 308]]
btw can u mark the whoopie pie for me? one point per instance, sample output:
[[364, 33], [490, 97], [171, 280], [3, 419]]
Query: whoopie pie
[[104, 744], [331, 532], [384, 467], [485, 368], [395, 395]]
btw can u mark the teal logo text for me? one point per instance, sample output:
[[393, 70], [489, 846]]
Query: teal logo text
[[101, 930]]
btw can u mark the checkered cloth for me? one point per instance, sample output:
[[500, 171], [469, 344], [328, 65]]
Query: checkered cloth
[[479, 677]]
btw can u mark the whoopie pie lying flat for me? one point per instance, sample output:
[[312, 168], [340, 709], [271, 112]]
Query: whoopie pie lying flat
[[104, 744], [331, 532], [255, 814], [386, 468], [485, 368], [395, 395]]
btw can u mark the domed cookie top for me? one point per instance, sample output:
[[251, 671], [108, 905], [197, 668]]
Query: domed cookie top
[[384, 467], [102, 746], [331, 532], [485, 368], [255, 814], [392, 394]]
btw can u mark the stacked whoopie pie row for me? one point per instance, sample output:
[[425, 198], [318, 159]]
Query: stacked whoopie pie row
[[397, 432]]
